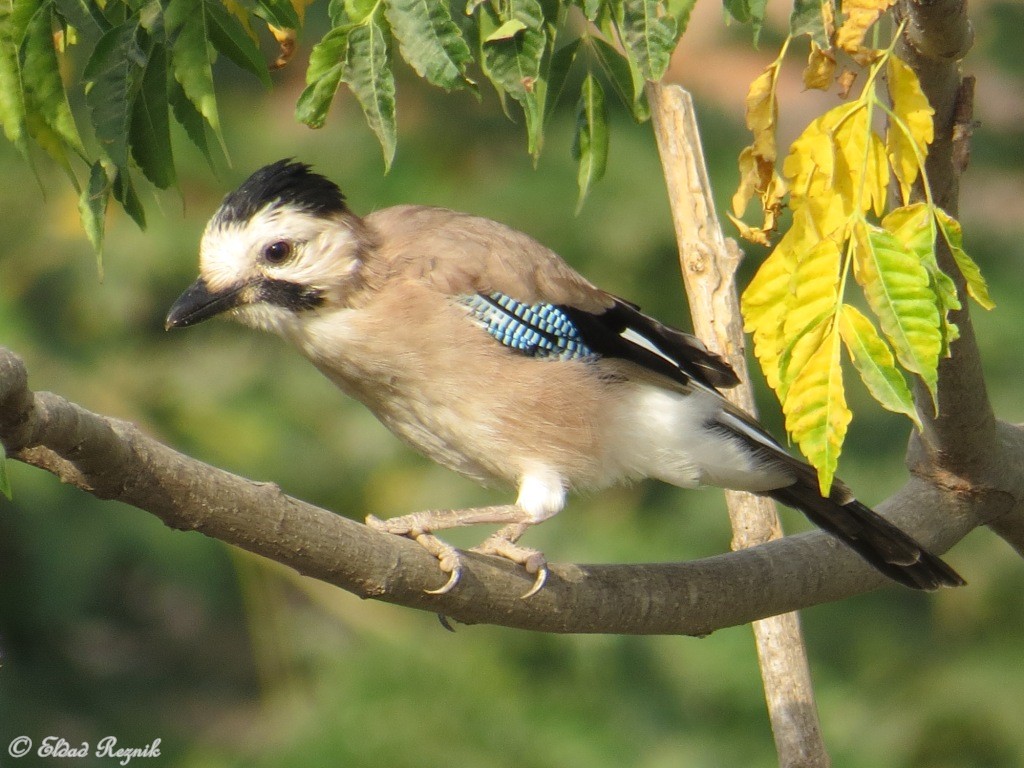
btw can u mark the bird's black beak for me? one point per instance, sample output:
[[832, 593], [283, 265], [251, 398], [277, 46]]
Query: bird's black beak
[[199, 303]]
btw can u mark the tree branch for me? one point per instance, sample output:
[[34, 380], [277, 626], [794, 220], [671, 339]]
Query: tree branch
[[113, 459], [709, 262], [962, 444]]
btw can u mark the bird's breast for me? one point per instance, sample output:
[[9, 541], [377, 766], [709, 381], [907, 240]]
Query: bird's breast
[[442, 384]]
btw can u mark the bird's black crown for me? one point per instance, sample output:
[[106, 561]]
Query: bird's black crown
[[282, 183]]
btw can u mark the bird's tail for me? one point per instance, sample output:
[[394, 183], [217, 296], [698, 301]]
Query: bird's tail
[[889, 549]]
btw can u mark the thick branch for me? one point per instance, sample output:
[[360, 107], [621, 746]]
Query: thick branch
[[113, 460], [961, 445]]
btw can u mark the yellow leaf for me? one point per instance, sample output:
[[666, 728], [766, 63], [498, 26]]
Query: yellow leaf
[[241, 13], [977, 287], [768, 298], [865, 57], [876, 179], [748, 182], [810, 163], [767, 336], [799, 349], [874, 361], [861, 171], [763, 112], [846, 81], [815, 287], [828, 18], [815, 405], [755, 176], [821, 68], [772, 284], [286, 45], [771, 201], [827, 215], [300, 7], [860, 15], [749, 233], [913, 130]]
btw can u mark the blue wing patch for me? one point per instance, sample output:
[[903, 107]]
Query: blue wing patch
[[538, 330]]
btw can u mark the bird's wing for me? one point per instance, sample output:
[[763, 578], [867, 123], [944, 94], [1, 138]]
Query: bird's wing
[[544, 329], [530, 299]]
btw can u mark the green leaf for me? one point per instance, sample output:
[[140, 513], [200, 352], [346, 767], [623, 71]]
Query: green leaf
[[590, 8], [326, 65], [42, 81], [92, 209], [748, 11], [5, 482], [188, 117], [280, 13], [514, 64], [14, 19], [912, 225], [680, 10], [590, 147], [351, 12], [808, 18], [513, 61], [874, 362], [368, 73], [506, 31], [83, 14], [115, 70], [487, 23], [230, 38], [150, 132], [648, 34], [124, 192], [430, 41], [898, 289], [558, 72], [192, 58], [624, 77]]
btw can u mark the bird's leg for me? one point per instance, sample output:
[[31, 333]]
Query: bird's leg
[[420, 526]]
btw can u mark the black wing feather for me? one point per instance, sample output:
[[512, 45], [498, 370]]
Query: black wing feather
[[679, 355]]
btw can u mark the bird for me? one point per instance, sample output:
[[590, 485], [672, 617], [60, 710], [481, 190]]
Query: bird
[[486, 352]]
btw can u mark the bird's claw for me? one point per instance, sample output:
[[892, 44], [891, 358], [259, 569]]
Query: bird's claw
[[449, 560], [448, 557], [538, 584], [501, 544], [448, 586], [531, 559]]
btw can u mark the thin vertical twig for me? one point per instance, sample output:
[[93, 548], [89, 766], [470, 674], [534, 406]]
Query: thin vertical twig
[[709, 261]]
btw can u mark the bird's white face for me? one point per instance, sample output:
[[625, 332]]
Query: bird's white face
[[271, 270], [279, 243]]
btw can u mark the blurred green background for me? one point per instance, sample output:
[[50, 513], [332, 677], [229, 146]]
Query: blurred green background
[[112, 624]]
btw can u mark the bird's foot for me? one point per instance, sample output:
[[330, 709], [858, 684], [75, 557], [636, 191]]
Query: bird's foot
[[448, 558], [532, 560], [420, 526]]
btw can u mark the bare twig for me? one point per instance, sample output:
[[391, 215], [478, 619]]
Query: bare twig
[[709, 263]]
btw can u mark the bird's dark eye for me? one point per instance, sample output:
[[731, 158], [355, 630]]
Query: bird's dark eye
[[277, 253]]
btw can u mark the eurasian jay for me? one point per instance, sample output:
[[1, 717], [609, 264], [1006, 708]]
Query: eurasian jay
[[486, 352]]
